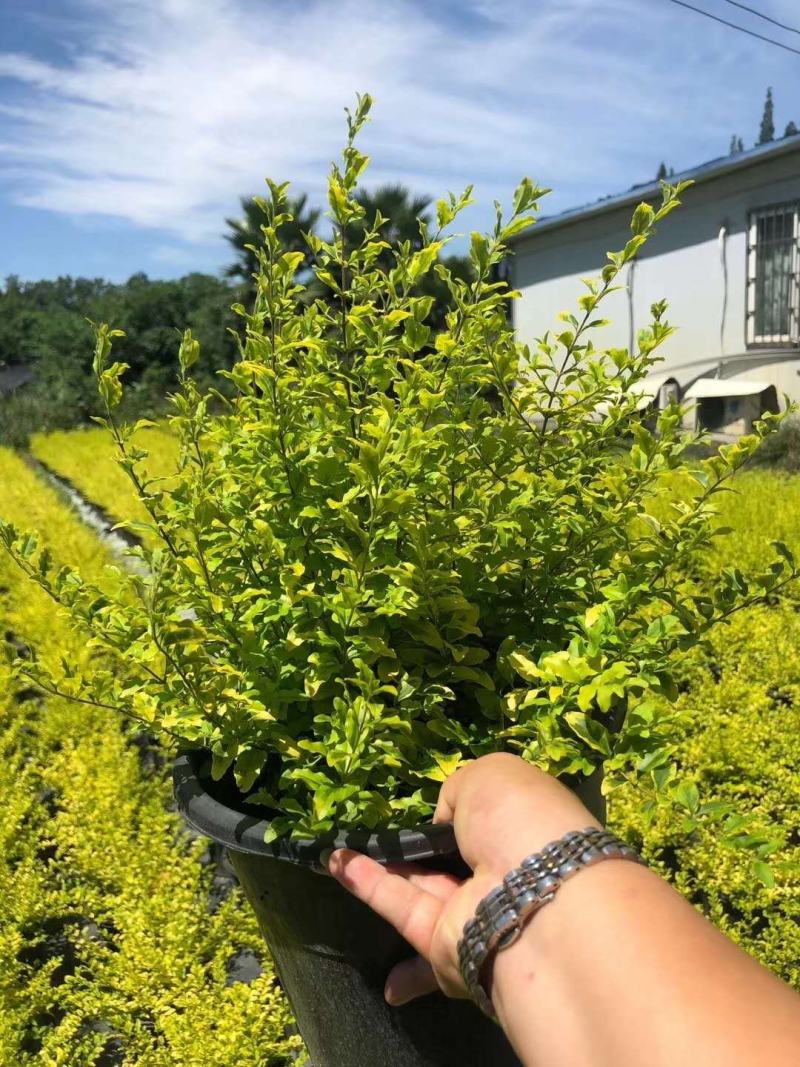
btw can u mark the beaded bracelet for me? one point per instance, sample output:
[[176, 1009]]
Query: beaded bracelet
[[502, 914]]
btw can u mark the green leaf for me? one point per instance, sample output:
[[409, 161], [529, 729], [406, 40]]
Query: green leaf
[[764, 873], [687, 795], [642, 219], [248, 766], [422, 261], [479, 252], [525, 667], [220, 765], [593, 733], [189, 351]]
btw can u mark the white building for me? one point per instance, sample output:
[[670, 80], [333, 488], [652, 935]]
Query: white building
[[727, 262]]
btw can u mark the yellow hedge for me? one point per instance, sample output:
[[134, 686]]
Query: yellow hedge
[[87, 459], [740, 726], [109, 947], [153, 977]]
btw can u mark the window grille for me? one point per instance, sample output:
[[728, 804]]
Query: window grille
[[773, 276]]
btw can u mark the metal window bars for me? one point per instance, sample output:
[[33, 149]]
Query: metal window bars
[[773, 277]]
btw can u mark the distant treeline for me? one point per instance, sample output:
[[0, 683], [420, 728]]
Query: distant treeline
[[44, 325], [44, 328]]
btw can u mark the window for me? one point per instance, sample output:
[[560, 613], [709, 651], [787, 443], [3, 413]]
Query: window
[[773, 276]]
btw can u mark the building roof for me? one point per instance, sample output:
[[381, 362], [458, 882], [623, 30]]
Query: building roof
[[648, 190], [648, 388], [704, 388]]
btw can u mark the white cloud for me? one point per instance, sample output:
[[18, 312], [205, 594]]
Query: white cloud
[[169, 109]]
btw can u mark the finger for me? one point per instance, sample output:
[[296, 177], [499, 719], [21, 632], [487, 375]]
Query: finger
[[500, 766], [408, 980], [448, 794], [410, 910], [437, 883]]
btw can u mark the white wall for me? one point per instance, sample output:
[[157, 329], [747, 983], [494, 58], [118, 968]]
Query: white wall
[[682, 264]]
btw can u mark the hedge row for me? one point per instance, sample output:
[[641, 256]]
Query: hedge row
[[101, 897], [739, 719], [86, 458], [121, 940]]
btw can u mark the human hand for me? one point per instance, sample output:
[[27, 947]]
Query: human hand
[[502, 809]]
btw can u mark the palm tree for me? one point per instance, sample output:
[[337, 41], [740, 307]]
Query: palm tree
[[396, 204], [247, 231], [403, 213], [401, 210]]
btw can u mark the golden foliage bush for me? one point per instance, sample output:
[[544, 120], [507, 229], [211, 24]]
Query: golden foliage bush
[[87, 459], [739, 717], [108, 946], [111, 949]]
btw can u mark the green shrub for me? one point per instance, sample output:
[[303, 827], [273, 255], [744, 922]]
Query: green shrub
[[783, 449], [396, 550], [763, 506], [108, 943], [732, 842], [730, 838]]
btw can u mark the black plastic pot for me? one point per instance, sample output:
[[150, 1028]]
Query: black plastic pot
[[332, 953]]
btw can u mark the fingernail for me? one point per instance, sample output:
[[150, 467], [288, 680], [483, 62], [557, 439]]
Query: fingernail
[[325, 858]]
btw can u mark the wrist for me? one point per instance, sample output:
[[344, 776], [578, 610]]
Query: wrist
[[556, 945], [527, 835], [504, 913]]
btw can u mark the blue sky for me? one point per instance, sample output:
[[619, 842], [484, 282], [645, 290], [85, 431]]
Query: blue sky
[[129, 129]]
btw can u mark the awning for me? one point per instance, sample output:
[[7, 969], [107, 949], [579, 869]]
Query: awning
[[705, 388], [647, 390]]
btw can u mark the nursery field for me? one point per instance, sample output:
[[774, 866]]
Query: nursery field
[[86, 459], [739, 713], [122, 939]]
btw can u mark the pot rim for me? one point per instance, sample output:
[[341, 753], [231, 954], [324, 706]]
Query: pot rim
[[243, 831]]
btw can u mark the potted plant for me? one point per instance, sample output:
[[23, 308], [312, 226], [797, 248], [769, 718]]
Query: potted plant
[[386, 551]]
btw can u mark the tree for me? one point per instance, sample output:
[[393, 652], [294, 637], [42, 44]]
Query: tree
[[246, 231], [791, 129], [662, 173], [43, 325], [767, 130], [401, 211], [737, 145]]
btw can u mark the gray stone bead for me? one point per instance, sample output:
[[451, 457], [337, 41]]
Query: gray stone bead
[[504, 920], [483, 1002], [501, 916], [492, 904], [533, 865], [509, 935], [515, 881]]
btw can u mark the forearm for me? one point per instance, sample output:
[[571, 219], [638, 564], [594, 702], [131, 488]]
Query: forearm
[[619, 971]]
